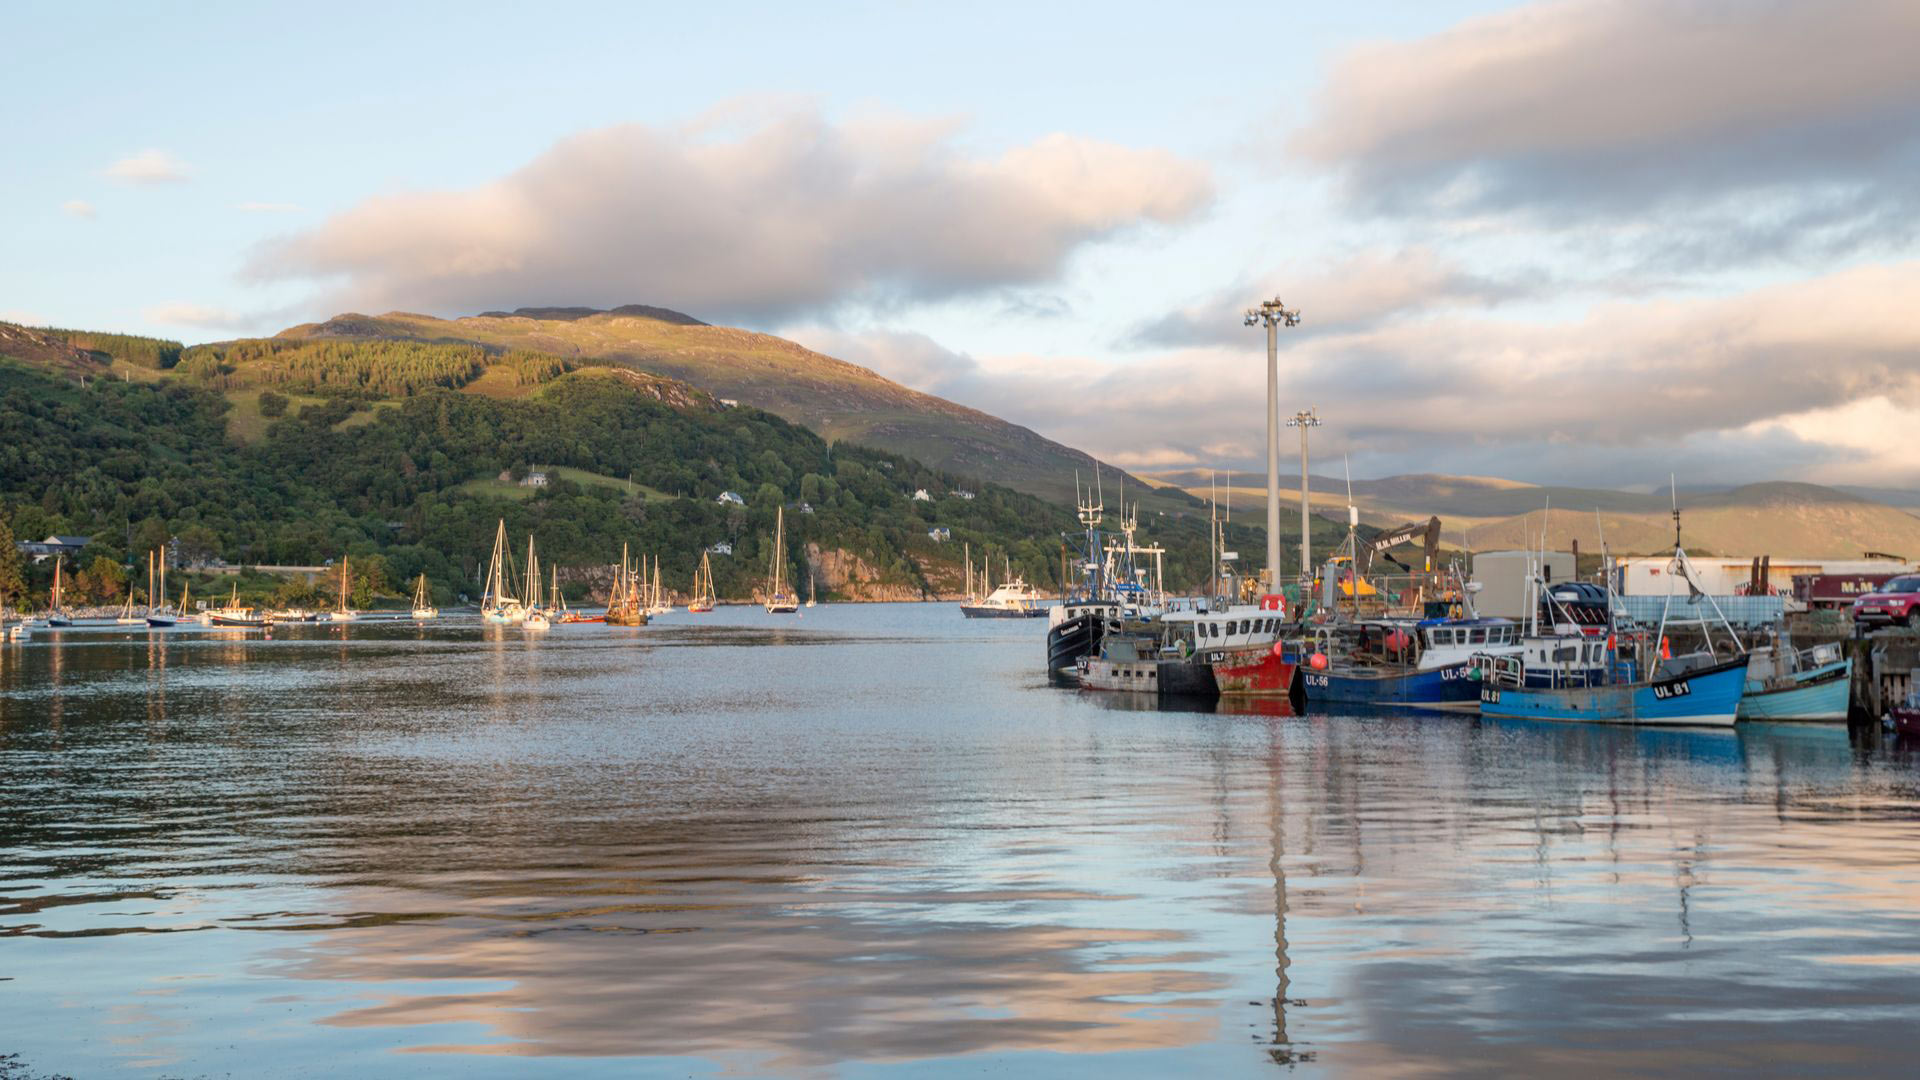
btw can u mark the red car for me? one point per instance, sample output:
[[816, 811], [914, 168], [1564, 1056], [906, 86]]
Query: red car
[[1894, 603]]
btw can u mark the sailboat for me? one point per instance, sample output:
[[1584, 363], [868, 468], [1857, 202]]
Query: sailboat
[[701, 602], [497, 605], [657, 603], [423, 608], [779, 600], [57, 614], [623, 601], [536, 618], [343, 613], [809, 588], [161, 615]]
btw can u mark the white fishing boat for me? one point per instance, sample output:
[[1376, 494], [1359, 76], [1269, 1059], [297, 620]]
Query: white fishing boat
[[779, 600], [423, 608], [497, 603]]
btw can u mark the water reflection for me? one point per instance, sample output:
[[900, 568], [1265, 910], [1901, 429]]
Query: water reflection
[[877, 837]]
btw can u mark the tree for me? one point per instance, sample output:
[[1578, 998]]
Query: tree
[[198, 544], [272, 404], [102, 581], [13, 579]]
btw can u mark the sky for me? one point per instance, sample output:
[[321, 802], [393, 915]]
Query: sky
[[1590, 242]]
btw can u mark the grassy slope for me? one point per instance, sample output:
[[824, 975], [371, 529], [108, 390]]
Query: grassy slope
[[835, 398]]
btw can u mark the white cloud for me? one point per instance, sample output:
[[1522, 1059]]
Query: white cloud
[[78, 208], [149, 167], [795, 215], [1761, 384], [198, 315], [1740, 129], [268, 207]]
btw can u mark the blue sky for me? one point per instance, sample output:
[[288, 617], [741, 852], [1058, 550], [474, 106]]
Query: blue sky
[[1508, 225]]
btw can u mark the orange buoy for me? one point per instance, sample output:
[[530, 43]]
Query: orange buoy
[[1318, 661], [1666, 653]]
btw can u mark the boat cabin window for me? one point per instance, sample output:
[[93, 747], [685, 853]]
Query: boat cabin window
[[1478, 635], [1567, 653]]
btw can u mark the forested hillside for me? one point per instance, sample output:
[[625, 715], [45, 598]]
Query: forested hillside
[[410, 486]]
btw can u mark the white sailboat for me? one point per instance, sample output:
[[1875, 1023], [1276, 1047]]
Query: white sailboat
[[423, 608], [535, 618], [497, 603], [658, 605], [159, 615], [57, 613], [702, 600], [779, 600], [809, 588]]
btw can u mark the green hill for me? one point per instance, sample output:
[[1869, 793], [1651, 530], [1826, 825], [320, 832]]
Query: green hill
[[841, 401]]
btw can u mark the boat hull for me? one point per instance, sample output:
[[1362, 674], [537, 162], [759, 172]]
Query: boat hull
[[1822, 694], [1252, 672], [1165, 678], [233, 623], [1449, 688], [161, 620], [981, 611], [1072, 638], [1906, 720], [1708, 697]]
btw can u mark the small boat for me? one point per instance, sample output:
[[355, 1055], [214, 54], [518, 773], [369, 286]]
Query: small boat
[[158, 616], [234, 614], [1784, 683], [1422, 664], [809, 589], [292, 615], [343, 613], [423, 608], [624, 605], [1905, 717], [19, 631], [126, 616], [497, 605], [702, 600], [536, 618], [779, 601], [1012, 599], [657, 602], [57, 613]]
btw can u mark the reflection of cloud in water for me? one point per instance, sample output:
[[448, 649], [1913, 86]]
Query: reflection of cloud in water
[[798, 977]]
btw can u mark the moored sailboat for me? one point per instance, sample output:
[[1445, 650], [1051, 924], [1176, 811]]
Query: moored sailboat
[[161, 615], [624, 604], [702, 600], [57, 613], [779, 601], [341, 612], [536, 617], [497, 603], [423, 608]]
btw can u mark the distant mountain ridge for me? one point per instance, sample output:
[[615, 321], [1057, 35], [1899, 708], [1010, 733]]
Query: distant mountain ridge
[[838, 399]]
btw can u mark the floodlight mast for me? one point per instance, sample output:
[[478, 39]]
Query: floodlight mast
[[1304, 420], [1273, 315]]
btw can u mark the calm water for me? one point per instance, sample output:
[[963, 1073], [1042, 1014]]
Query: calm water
[[871, 839]]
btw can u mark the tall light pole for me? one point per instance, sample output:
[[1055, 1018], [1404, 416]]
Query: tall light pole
[[1273, 315], [1303, 421]]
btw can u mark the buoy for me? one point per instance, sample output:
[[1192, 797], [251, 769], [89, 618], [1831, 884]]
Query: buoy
[[1279, 649], [1318, 661], [1666, 653]]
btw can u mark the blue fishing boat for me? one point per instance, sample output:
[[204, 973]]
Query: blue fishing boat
[[1784, 683], [1422, 664], [1698, 692]]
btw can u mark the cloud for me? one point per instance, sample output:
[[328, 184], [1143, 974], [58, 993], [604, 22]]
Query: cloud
[[200, 315], [1787, 128], [1753, 385], [794, 215], [268, 207], [1362, 290], [78, 208], [149, 167]]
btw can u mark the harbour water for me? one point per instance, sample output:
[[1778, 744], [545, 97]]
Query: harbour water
[[872, 839]]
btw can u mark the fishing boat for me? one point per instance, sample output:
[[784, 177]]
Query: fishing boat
[[235, 614], [624, 602], [702, 600], [1626, 677], [57, 613], [1114, 592], [341, 612], [779, 601], [1784, 683], [497, 603], [423, 608], [1412, 663], [160, 616]]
